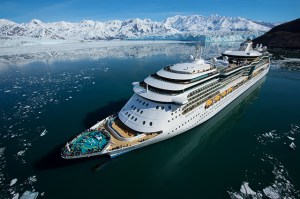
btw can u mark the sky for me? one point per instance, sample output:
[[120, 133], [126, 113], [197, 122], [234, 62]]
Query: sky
[[157, 10]]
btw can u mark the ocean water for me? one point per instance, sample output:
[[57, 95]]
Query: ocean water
[[242, 152]]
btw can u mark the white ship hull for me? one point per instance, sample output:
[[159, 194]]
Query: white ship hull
[[196, 117]]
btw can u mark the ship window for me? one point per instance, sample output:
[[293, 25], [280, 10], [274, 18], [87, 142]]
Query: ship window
[[162, 107], [157, 107], [128, 115], [143, 103], [147, 104], [135, 119], [142, 112], [168, 120], [170, 107], [144, 122], [138, 110], [137, 100], [150, 123], [171, 113], [132, 117], [132, 106]]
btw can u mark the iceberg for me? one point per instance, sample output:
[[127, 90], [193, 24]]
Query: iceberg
[[29, 195]]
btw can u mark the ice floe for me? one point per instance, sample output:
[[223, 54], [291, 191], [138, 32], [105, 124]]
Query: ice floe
[[29, 195], [291, 138], [271, 193], [15, 196], [43, 133], [245, 189], [13, 181], [293, 145]]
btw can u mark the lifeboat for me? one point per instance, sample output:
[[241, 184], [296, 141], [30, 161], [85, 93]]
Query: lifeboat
[[229, 90], [217, 98], [208, 103], [224, 94]]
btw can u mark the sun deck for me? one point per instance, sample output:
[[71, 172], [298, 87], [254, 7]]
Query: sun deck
[[122, 136]]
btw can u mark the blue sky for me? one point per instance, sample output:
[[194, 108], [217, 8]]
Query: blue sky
[[156, 10]]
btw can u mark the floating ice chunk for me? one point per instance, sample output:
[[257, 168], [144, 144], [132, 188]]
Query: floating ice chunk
[[13, 181], [2, 151], [29, 195], [32, 179], [44, 132], [21, 153], [293, 146], [15, 196], [7, 91], [291, 138], [270, 192], [235, 195], [245, 189], [26, 106]]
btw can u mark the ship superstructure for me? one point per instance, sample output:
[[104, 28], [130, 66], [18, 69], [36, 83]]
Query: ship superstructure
[[172, 101]]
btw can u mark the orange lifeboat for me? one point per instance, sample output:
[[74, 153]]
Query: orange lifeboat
[[229, 90], [217, 98], [223, 94], [208, 103]]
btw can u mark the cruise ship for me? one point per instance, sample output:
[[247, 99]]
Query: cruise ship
[[173, 100]]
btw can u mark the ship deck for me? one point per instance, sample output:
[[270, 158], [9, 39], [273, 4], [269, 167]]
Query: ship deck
[[123, 137]]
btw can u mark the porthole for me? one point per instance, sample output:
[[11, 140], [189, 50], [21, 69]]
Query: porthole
[[157, 107], [169, 107], [132, 117], [142, 112], [138, 110], [144, 122], [147, 104], [126, 113], [135, 119], [162, 108], [132, 106], [150, 123], [143, 103]]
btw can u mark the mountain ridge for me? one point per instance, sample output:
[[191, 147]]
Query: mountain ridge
[[172, 28]]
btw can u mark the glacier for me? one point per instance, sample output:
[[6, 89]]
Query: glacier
[[182, 28]]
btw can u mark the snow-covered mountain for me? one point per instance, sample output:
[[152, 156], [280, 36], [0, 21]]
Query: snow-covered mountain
[[195, 27]]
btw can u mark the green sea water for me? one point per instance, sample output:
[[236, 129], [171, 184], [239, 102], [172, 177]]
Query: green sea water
[[44, 104]]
